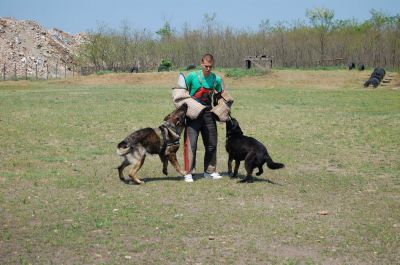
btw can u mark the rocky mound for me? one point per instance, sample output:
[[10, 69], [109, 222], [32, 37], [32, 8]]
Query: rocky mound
[[26, 46]]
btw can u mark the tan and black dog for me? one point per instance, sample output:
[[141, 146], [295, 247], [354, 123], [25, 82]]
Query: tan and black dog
[[163, 141], [241, 147]]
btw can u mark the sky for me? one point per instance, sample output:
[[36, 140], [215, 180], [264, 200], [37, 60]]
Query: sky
[[76, 16]]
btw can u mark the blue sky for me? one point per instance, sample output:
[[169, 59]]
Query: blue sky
[[80, 15]]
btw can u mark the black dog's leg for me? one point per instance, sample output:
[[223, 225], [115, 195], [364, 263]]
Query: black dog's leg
[[123, 165], [236, 169], [249, 166], [260, 171], [230, 159], [164, 160]]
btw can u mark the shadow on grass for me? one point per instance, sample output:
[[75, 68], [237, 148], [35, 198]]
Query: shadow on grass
[[197, 177], [177, 178], [240, 177]]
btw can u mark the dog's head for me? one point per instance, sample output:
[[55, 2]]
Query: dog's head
[[233, 128], [177, 118]]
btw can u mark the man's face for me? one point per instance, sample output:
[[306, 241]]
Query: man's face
[[207, 67]]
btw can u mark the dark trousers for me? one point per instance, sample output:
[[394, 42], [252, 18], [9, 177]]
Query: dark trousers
[[206, 125]]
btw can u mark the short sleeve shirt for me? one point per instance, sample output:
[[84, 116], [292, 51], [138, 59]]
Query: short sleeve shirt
[[194, 84]]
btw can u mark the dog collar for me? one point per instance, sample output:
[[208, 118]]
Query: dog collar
[[167, 142]]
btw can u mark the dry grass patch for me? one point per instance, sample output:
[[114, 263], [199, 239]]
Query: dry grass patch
[[305, 79]]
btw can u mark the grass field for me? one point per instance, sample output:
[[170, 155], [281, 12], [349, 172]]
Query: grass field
[[61, 201]]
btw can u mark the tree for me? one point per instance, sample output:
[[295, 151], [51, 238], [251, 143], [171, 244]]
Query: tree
[[322, 20], [165, 32]]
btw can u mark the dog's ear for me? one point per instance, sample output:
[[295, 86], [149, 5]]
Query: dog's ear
[[167, 117], [183, 107]]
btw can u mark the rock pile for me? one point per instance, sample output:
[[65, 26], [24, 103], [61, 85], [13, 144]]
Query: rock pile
[[26, 46]]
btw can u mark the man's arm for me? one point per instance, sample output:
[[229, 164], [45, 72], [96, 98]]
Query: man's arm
[[220, 84], [189, 81]]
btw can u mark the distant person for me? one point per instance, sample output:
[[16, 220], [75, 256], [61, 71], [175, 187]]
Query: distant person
[[201, 86], [134, 69]]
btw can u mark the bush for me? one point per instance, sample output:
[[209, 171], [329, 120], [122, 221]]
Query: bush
[[165, 65]]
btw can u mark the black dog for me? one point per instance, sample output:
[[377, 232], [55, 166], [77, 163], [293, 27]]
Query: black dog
[[241, 147]]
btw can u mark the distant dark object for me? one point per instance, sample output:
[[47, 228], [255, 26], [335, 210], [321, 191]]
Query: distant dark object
[[361, 67], [373, 81], [378, 73], [190, 67], [248, 64], [263, 62], [163, 68], [376, 77], [134, 69], [352, 66]]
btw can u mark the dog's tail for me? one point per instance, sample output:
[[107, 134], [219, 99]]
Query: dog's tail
[[271, 164], [123, 148]]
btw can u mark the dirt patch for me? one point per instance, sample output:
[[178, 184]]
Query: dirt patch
[[309, 79]]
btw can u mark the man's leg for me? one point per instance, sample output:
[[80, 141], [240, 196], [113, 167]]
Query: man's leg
[[190, 145], [210, 138]]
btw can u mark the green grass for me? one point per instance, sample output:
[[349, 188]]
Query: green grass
[[241, 72], [61, 201], [104, 72]]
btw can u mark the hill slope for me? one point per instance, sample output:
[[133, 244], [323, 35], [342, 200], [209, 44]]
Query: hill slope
[[25, 44]]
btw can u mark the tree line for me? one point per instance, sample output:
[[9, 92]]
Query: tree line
[[320, 40]]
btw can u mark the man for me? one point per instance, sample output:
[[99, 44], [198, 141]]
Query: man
[[202, 85]]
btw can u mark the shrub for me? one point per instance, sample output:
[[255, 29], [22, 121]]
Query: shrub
[[165, 65]]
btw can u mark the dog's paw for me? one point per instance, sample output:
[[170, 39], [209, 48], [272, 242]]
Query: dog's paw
[[138, 182], [246, 180], [127, 181]]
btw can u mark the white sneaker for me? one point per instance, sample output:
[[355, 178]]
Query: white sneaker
[[214, 175], [188, 178]]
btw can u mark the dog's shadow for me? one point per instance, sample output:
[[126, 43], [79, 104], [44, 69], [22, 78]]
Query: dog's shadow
[[166, 178], [241, 177]]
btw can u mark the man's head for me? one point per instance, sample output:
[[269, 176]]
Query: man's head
[[207, 62]]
